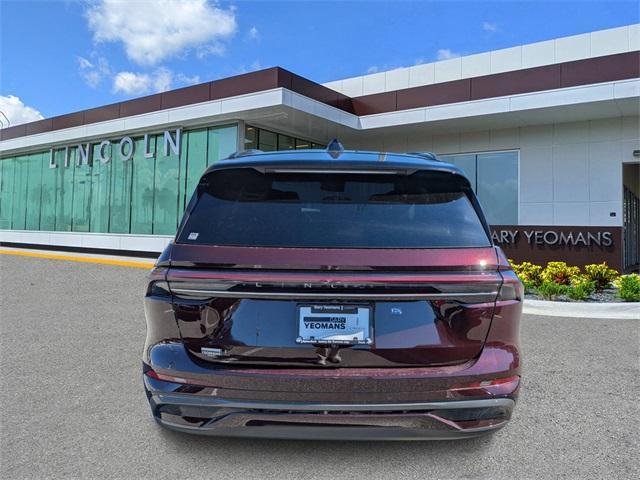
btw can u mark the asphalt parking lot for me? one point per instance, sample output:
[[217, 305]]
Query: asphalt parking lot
[[71, 336]]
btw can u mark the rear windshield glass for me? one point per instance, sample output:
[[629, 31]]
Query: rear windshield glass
[[249, 208]]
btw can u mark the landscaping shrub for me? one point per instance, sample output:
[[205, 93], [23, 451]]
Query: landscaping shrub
[[550, 290], [559, 279], [629, 286], [601, 275], [559, 272], [528, 273], [529, 287], [581, 287]]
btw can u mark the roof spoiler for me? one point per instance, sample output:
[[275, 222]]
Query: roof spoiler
[[244, 153], [426, 156]]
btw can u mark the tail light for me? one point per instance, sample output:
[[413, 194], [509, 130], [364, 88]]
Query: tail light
[[158, 289], [165, 378], [511, 288], [158, 286]]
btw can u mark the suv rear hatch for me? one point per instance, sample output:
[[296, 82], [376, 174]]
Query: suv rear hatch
[[310, 268]]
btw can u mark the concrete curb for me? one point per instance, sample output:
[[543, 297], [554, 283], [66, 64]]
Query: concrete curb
[[622, 311]]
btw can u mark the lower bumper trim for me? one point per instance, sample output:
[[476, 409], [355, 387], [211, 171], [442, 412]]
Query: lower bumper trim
[[399, 421], [202, 401], [333, 433]]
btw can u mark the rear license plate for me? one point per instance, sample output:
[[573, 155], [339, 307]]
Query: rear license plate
[[334, 324]]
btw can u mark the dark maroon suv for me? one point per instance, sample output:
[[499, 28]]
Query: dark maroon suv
[[333, 294]]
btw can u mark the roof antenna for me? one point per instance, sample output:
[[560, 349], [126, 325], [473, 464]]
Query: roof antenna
[[335, 148]]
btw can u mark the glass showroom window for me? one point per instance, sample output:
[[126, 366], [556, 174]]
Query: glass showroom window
[[268, 141], [494, 178], [141, 195]]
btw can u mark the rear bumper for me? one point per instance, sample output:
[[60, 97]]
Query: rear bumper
[[428, 420], [446, 402]]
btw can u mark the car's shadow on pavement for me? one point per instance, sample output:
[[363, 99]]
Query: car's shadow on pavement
[[323, 448]]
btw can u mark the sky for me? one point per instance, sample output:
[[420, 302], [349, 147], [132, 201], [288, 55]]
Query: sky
[[61, 56]]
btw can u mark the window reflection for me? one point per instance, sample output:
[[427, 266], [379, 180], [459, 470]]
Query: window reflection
[[494, 178], [268, 141], [302, 144], [141, 195], [285, 142], [498, 187]]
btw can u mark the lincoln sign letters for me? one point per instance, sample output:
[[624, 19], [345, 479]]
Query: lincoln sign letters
[[125, 149]]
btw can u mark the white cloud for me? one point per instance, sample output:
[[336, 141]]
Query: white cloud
[[93, 73], [161, 80], [131, 83], [182, 78], [489, 27], [254, 34], [372, 69], [84, 63], [211, 49], [91, 77], [446, 54], [154, 30], [16, 111]]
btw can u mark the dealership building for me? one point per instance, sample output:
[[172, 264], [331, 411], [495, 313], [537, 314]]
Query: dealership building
[[548, 134]]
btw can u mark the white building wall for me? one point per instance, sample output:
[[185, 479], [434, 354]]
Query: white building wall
[[565, 49], [570, 173]]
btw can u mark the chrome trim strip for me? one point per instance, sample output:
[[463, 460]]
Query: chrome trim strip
[[331, 295], [200, 401]]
